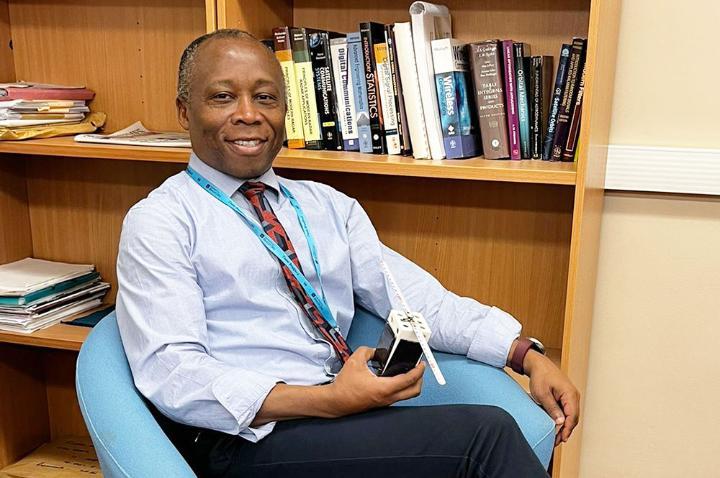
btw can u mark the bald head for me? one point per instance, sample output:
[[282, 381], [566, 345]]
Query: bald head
[[190, 55]]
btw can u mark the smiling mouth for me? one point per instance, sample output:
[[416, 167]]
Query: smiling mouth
[[247, 143]]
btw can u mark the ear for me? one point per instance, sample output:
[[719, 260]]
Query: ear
[[182, 113]]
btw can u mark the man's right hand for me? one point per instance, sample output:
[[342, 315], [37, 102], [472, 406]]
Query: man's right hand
[[357, 389]]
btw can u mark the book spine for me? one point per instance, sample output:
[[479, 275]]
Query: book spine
[[554, 107], [574, 129], [383, 72], [450, 65], [293, 117], [345, 97], [357, 75], [371, 85], [523, 109], [405, 146], [411, 90], [575, 68], [511, 98], [306, 89], [536, 111], [319, 48], [486, 67]]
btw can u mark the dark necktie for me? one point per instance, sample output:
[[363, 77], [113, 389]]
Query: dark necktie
[[253, 191]]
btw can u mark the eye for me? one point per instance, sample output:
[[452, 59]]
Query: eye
[[222, 97], [266, 98]]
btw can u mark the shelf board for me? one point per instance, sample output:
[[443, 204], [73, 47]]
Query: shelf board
[[58, 336], [527, 171]]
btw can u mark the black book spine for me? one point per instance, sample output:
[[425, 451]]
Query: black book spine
[[575, 68], [574, 130], [374, 106], [319, 47], [554, 107], [536, 108], [406, 148]]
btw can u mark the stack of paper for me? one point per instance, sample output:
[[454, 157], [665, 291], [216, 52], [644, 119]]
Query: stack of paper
[[31, 104], [36, 293]]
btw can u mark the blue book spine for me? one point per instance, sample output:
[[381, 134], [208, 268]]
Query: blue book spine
[[459, 138], [560, 80], [357, 73]]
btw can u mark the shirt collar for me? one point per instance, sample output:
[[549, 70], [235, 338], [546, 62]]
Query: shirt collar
[[230, 184]]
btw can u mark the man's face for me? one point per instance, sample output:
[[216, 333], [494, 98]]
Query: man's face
[[236, 108]]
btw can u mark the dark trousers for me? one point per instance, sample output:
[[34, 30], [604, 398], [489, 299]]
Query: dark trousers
[[397, 442]]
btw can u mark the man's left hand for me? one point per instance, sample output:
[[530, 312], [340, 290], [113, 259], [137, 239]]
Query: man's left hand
[[551, 389]]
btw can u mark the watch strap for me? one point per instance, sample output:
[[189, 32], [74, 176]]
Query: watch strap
[[516, 361]]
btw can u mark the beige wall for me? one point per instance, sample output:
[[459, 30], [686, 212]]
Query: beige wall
[[653, 398]]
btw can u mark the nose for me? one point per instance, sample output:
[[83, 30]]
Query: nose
[[246, 111]]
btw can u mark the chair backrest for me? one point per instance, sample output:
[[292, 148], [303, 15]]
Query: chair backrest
[[128, 440]]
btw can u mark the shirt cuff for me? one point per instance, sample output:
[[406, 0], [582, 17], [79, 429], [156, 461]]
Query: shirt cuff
[[242, 393], [492, 341]]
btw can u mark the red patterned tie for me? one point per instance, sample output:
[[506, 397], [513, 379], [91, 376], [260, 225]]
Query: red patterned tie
[[253, 191]]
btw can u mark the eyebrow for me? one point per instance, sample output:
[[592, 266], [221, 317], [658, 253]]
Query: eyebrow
[[260, 82]]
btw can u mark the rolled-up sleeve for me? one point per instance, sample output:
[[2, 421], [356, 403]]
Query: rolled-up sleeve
[[162, 323], [459, 325]]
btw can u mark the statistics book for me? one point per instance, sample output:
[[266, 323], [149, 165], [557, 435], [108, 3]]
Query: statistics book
[[375, 112]]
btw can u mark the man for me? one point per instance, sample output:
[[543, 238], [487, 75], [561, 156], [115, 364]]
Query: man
[[231, 280]]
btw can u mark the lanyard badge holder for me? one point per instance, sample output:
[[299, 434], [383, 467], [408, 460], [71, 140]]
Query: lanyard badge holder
[[404, 339]]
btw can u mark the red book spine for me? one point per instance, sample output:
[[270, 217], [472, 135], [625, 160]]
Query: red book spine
[[511, 99]]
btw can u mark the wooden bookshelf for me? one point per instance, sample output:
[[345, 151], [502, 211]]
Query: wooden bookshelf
[[522, 235], [527, 171], [58, 336]]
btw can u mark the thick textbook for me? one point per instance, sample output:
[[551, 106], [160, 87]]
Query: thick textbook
[[319, 47], [486, 68], [293, 118], [357, 75], [306, 89], [345, 94], [456, 116]]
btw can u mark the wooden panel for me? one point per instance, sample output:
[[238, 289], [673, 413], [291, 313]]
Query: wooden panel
[[23, 403], [7, 64], [541, 172], [127, 51], [63, 408], [210, 15], [503, 244], [77, 207], [587, 214], [544, 24], [258, 17], [15, 240], [60, 336]]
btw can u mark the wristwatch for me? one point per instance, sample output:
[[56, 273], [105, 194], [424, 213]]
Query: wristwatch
[[524, 344]]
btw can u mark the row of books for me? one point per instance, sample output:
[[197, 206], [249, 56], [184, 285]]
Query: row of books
[[34, 104], [410, 88], [35, 293]]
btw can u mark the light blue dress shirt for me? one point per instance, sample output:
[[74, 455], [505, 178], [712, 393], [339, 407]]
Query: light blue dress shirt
[[209, 325]]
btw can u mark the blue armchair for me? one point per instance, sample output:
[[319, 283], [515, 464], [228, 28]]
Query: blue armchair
[[130, 443]]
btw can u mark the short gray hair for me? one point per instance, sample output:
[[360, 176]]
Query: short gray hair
[[187, 60]]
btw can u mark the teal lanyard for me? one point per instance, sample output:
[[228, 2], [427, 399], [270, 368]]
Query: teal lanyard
[[255, 227]]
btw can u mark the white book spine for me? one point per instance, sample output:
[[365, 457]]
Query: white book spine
[[429, 22], [345, 96], [411, 91]]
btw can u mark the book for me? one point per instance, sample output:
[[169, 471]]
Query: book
[[377, 134], [386, 90], [451, 67], [306, 89], [357, 75], [522, 53], [569, 152], [345, 94], [138, 135], [319, 48], [293, 117], [567, 103], [429, 22], [40, 91], [411, 89], [405, 146], [29, 312], [541, 78], [511, 98], [486, 68], [554, 107], [49, 293]]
